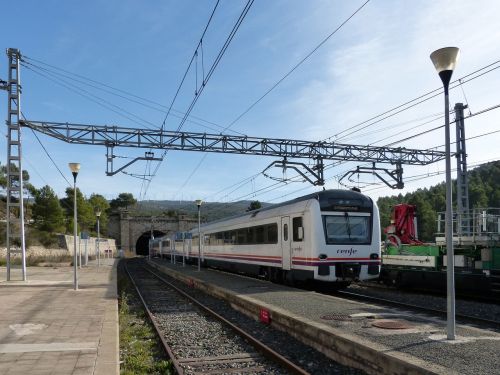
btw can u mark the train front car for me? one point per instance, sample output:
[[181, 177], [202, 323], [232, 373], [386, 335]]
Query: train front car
[[331, 236], [345, 238]]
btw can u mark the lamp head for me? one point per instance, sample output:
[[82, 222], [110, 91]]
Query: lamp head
[[198, 202], [74, 167], [444, 60], [98, 212]]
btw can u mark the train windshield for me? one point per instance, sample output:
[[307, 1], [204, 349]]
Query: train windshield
[[347, 228]]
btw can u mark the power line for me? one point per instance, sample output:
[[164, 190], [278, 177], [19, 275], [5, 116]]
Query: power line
[[126, 95], [442, 126], [424, 176], [145, 185], [411, 103], [285, 76], [433, 117], [189, 65], [217, 60], [50, 157], [472, 75], [208, 76], [47, 153], [96, 99], [274, 186]]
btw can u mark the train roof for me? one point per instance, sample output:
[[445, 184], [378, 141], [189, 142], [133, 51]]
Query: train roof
[[324, 197]]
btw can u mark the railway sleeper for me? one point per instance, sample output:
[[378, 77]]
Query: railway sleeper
[[239, 370], [221, 357]]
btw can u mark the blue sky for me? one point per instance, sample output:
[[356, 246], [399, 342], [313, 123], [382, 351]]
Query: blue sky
[[377, 61]]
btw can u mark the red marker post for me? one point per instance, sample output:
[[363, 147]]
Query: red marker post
[[265, 316]]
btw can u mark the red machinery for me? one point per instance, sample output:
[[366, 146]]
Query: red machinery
[[403, 228]]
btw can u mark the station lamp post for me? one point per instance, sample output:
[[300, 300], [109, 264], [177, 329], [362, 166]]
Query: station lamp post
[[444, 60], [98, 215], [198, 203], [74, 167]]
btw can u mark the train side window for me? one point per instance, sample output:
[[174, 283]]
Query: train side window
[[259, 234], [285, 232], [227, 237], [241, 237], [272, 233], [251, 235], [298, 229]]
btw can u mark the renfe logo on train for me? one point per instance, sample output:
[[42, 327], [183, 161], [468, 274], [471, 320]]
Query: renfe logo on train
[[350, 251]]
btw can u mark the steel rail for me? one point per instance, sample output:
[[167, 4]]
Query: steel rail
[[166, 347], [441, 313], [422, 290], [257, 344]]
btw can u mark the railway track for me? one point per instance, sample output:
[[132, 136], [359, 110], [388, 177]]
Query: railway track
[[434, 312], [197, 339], [492, 299]]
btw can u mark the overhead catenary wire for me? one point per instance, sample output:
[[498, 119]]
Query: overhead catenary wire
[[217, 60], [96, 99], [275, 186], [242, 183], [145, 185], [278, 185], [195, 53], [424, 176], [53, 162], [414, 102], [280, 80], [410, 123], [47, 153], [133, 98], [304, 59], [472, 76], [211, 70]]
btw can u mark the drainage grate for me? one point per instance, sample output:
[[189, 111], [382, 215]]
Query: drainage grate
[[391, 324], [336, 317]]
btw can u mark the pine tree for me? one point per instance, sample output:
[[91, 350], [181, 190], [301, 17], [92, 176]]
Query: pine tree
[[47, 212]]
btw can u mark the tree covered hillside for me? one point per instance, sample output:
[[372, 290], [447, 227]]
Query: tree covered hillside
[[484, 191]]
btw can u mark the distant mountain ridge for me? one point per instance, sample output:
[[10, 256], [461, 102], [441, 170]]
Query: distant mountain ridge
[[210, 211]]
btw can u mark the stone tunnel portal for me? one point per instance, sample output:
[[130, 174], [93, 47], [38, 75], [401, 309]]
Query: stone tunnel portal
[[142, 244]]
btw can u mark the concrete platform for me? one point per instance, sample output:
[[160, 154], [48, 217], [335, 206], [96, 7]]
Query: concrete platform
[[46, 327], [353, 333]]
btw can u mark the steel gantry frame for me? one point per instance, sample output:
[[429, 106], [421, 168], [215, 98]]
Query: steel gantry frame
[[118, 136]]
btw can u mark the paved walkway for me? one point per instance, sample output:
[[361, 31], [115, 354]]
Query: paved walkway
[[46, 327]]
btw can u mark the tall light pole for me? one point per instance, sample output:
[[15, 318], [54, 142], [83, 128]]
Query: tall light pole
[[444, 60], [74, 167], [198, 203], [98, 215]]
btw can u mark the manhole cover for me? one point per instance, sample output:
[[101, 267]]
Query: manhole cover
[[336, 317], [391, 324]]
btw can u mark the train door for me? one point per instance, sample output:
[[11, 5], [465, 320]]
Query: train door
[[285, 242]]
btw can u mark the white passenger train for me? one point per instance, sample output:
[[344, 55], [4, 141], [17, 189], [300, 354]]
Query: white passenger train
[[331, 236]]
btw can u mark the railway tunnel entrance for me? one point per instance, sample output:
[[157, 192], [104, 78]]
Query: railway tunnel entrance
[[142, 244]]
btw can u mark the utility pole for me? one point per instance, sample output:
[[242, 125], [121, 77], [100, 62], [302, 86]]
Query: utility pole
[[463, 218], [15, 201]]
